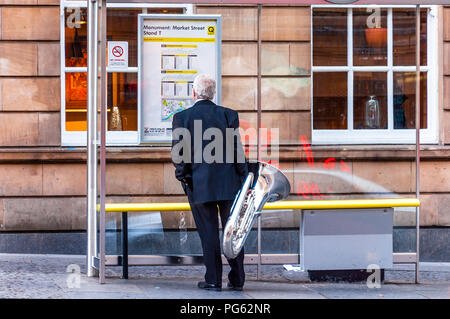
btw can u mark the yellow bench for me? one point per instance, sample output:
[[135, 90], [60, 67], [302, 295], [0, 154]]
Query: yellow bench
[[124, 208]]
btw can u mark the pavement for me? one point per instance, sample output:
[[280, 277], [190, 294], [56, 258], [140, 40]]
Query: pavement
[[63, 277]]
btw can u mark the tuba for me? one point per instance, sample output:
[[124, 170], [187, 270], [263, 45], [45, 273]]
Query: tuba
[[264, 183]]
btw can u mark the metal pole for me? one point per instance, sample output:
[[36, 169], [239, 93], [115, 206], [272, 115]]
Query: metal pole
[[102, 140], [92, 73], [417, 139], [258, 276], [125, 245]]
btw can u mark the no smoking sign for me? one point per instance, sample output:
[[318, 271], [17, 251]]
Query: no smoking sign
[[117, 51], [117, 55]]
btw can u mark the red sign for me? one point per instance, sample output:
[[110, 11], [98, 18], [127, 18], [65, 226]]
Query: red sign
[[117, 51]]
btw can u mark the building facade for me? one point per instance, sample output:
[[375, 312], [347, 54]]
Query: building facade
[[320, 66]]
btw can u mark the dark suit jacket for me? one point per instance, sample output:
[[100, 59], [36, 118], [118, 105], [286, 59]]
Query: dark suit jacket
[[219, 180]]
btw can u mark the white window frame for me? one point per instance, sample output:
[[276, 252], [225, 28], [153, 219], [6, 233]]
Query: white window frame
[[113, 138], [389, 135]]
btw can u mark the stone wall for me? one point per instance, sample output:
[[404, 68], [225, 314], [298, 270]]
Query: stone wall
[[43, 186], [29, 73]]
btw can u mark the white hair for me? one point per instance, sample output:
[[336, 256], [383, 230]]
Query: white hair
[[204, 87]]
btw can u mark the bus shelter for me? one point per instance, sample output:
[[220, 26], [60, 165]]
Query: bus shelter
[[97, 100]]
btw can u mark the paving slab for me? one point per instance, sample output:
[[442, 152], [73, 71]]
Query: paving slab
[[361, 291], [91, 284], [431, 291], [276, 290], [51, 277], [103, 295], [182, 289]]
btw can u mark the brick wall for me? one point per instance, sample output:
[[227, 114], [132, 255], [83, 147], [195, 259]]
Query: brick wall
[[29, 104]]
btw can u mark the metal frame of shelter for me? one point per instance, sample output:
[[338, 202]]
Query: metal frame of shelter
[[97, 66]]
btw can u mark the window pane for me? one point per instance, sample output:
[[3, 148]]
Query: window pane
[[370, 100], [76, 101], [165, 10], [404, 21], [330, 100], [122, 87], [122, 101], [330, 37], [405, 100], [76, 37], [122, 26], [369, 37]]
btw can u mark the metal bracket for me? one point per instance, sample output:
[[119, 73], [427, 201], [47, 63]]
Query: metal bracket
[[95, 262]]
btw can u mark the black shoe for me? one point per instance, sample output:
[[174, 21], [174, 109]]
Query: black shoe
[[206, 286], [237, 288]]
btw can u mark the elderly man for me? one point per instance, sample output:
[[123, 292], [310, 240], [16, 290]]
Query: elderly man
[[210, 180]]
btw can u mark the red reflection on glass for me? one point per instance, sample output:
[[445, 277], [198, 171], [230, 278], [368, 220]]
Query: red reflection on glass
[[249, 140], [312, 190], [308, 151], [274, 163], [344, 167], [309, 190], [329, 163]]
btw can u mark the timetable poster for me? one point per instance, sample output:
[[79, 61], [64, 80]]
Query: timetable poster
[[174, 50]]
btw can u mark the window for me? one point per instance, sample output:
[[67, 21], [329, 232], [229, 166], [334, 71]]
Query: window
[[121, 86], [363, 73]]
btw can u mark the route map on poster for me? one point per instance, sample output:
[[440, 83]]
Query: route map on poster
[[174, 49]]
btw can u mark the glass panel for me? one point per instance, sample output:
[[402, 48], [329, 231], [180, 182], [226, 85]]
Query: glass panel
[[330, 37], [76, 37], [282, 118], [370, 100], [154, 233], [405, 100], [330, 100], [174, 233], [404, 21], [76, 101], [280, 233], [122, 26], [122, 87], [122, 101], [369, 37], [404, 238]]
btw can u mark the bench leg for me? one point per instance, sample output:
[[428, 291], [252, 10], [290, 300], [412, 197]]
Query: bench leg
[[125, 245]]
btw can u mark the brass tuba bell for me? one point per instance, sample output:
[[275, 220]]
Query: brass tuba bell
[[265, 183]]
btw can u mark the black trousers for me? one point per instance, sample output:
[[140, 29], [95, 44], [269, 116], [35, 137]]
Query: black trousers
[[206, 219]]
